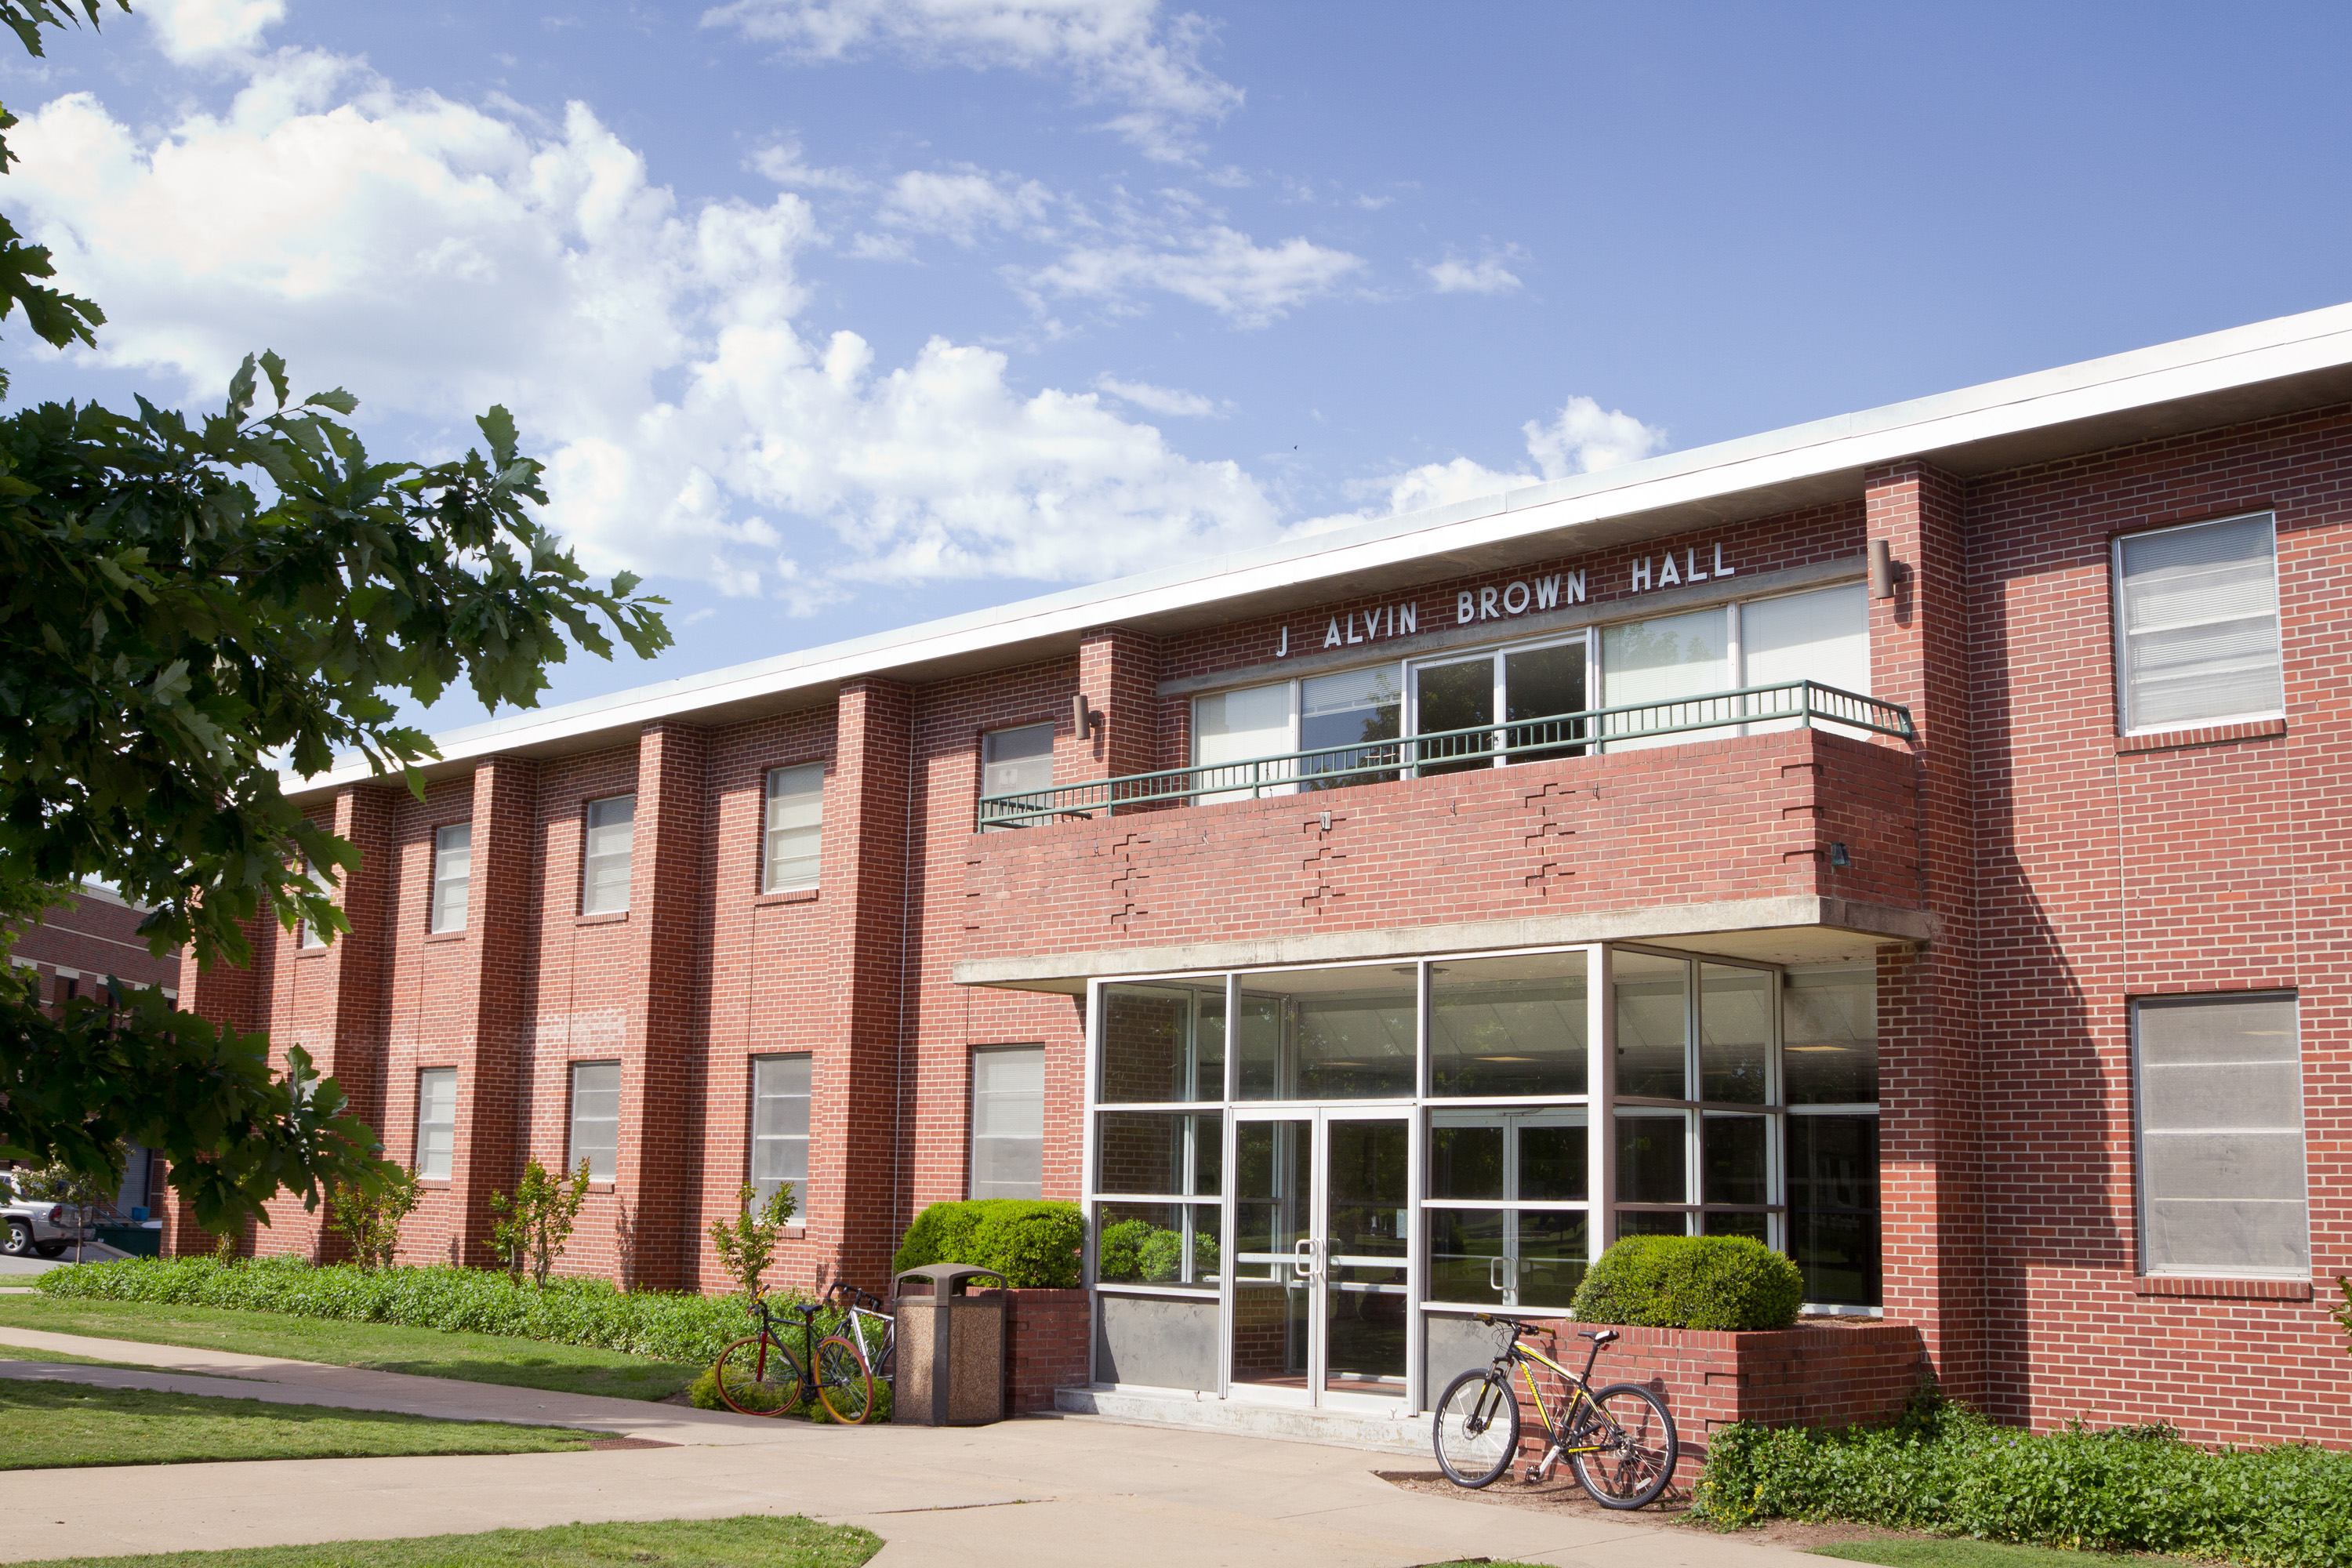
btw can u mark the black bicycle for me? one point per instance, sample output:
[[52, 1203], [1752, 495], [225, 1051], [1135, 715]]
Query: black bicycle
[[1619, 1440], [760, 1375], [871, 1335]]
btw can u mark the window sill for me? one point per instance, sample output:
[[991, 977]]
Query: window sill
[[2222, 1290], [444, 936], [789, 896], [2211, 735], [1129, 1287], [613, 917], [598, 1186]]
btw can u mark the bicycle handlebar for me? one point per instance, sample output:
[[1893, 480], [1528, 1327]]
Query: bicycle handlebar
[[1518, 1326]]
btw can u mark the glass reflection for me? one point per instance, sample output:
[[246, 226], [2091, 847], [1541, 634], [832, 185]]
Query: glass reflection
[[1163, 1043], [1828, 1036], [1734, 1020], [1330, 1033], [1508, 1026], [1653, 1025]]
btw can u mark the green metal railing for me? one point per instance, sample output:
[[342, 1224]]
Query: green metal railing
[[1377, 759]]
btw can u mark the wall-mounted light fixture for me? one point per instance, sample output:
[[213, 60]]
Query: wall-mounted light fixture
[[1084, 721], [1840, 857], [1882, 571]]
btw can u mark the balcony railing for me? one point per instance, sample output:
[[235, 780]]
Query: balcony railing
[[1376, 760]]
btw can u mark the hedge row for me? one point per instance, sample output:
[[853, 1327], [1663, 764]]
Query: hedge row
[[466, 1300], [1944, 1469], [1725, 1283], [1030, 1242]]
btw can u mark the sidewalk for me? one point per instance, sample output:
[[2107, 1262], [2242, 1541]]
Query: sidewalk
[[1078, 1491]]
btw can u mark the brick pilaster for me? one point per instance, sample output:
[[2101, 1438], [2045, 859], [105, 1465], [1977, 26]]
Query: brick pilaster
[[501, 903], [1119, 671]]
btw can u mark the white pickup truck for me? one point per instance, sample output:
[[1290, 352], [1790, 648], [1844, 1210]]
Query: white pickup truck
[[44, 1229]]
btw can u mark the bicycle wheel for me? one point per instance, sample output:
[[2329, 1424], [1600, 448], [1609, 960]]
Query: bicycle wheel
[[845, 1385], [756, 1376], [1634, 1448], [1477, 1427]]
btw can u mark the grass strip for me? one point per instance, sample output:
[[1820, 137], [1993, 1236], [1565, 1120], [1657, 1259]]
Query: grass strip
[[378, 1347], [46, 1426], [787, 1542], [1905, 1551]]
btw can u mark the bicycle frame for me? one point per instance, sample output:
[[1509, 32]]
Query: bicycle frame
[[1557, 1435]]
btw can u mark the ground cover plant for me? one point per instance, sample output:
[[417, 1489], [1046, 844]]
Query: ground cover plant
[[1946, 1470], [1722, 1283], [1910, 1551], [46, 1426], [787, 1542], [378, 1347]]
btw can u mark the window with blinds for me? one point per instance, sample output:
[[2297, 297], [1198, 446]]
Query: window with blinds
[[780, 1131], [2198, 625], [2220, 1083], [596, 1119], [604, 868], [796, 828], [453, 871], [436, 1121], [1008, 1122]]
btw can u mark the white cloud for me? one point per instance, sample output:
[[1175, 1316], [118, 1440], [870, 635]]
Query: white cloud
[[1586, 438], [436, 258], [1121, 52], [193, 32], [1168, 400], [782, 162], [960, 205], [1487, 276], [1248, 283]]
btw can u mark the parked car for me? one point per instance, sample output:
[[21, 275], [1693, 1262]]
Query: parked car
[[44, 1229]]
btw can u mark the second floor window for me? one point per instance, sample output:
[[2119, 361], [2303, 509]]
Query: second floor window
[[1017, 761], [2197, 632], [453, 862], [307, 933], [604, 869], [796, 828]]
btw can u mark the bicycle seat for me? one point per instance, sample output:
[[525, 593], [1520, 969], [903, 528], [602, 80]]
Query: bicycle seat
[[1598, 1336]]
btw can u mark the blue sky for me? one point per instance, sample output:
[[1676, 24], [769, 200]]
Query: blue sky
[[831, 316]]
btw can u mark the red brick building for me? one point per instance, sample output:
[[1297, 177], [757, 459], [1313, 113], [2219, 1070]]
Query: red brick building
[[1904, 838]]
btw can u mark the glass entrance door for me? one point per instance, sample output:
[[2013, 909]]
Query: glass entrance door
[[1322, 1221]]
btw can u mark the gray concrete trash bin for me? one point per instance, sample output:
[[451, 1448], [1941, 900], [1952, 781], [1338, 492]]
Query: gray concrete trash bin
[[951, 1348]]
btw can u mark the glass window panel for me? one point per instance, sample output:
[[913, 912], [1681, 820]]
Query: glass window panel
[[2222, 1155], [795, 831], [604, 869], [1733, 1159], [436, 1121], [1552, 1163], [1017, 761], [2201, 624], [1349, 721], [305, 933], [1653, 1163], [1466, 1162], [1828, 1036], [1162, 1042], [1273, 1193], [595, 1118], [1833, 1184], [1823, 635], [1754, 1226], [1653, 1025], [1370, 1181], [1735, 1040], [1662, 661], [1541, 683], [1239, 726], [780, 1128], [1464, 1247], [1652, 1222], [1552, 1253], [453, 864], [1331, 1033], [1508, 1026], [1157, 1243], [1008, 1122], [1154, 1153], [1454, 697]]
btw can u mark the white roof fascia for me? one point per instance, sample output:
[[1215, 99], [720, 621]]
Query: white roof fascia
[[2215, 362]]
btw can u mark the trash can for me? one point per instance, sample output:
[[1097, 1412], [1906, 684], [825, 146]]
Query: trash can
[[951, 1354]]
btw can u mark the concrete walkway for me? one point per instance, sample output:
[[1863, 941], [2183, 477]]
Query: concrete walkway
[[1080, 1492]]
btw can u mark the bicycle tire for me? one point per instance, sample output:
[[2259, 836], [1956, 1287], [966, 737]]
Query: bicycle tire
[[845, 1383], [1637, 1450], [757, 1377], [1476, 1427]]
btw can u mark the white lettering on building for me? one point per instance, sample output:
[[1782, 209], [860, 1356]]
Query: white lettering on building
[[1359, 626], [1670, 573]]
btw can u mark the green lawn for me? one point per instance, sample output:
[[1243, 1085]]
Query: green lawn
[[1909, 1552], [791, 1542], [28, 1353], [46, 1426], [380, 1347]]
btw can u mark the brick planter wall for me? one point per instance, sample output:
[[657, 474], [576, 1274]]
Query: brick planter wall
[[1045, 1334]]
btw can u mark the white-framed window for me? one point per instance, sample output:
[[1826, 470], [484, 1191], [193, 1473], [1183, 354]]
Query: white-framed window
[[453, 863], [1008, 1122], [2197, 625], [308, 936], [1230, 728], [436, 1121], [795, 835], [604, 868], [596, 1119], [2219, 1083], [780, 1129], [1016, 762], [1506, 1216]]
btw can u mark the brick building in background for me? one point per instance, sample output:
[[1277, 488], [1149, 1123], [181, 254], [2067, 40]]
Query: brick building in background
[[1370, 928]]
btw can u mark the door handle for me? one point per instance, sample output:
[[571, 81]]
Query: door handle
[[1302, 1259], [1502, 1274]]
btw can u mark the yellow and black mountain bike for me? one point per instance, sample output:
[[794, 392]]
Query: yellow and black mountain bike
[[1619, 1440]]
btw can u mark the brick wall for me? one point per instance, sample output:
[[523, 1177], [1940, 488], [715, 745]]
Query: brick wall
[[1046, 1339]]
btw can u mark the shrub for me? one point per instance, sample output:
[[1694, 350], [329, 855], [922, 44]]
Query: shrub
[[1725, 1283], [673, 1327], [703, 1392], [1031, 1243], [1945, 1469], [372, 1220], [749, 1246], [533, 1226]]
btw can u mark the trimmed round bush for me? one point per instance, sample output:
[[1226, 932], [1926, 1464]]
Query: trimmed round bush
[[1724, 1283], [1030, 1242]]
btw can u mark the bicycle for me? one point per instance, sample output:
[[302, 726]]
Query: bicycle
[[760, 1375], [850, 1380], [1619, 1442]]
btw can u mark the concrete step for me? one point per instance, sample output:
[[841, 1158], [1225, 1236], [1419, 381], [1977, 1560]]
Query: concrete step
[[1385, 1434]]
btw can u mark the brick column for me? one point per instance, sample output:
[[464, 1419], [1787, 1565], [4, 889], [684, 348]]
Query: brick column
[[854, 1157], [1119, 671], [1930, 1083], [222, 993], [500, 907], [657, 1170]]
